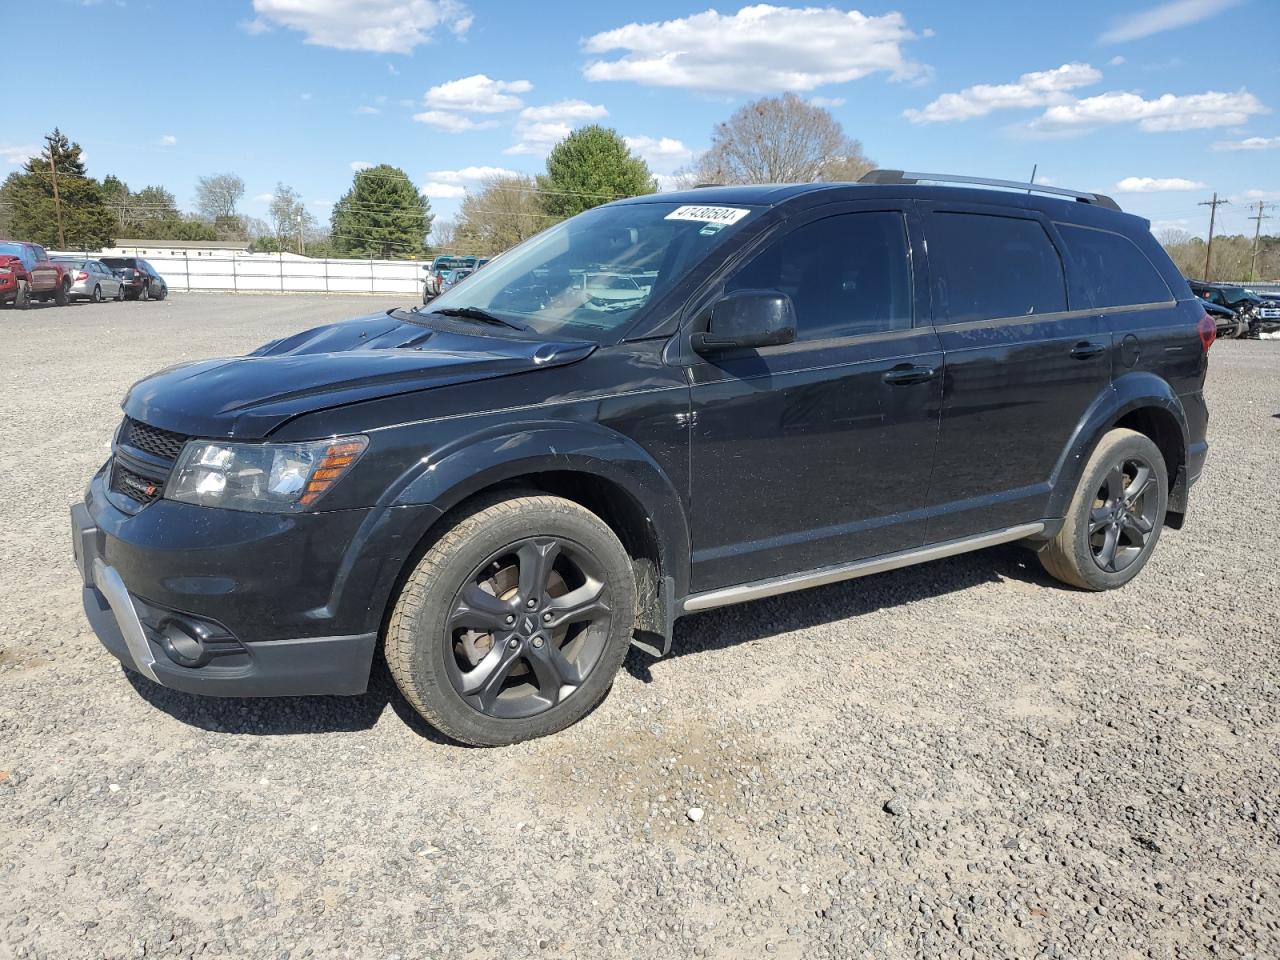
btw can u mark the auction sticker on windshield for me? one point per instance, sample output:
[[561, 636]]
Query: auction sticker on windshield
[[721, 215]]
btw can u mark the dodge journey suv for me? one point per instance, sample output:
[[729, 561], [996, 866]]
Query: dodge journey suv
[[661, 406]]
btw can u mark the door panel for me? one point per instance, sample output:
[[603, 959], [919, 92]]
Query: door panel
[[805, 455]]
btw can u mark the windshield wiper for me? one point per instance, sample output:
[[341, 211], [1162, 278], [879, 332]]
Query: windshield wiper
[[481, 316]]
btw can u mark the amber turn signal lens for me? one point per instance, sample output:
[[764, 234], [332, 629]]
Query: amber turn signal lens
[[337, 459]]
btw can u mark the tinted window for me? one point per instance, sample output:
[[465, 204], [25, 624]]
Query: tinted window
[[1112, 267], [846, 275], [986, 267]]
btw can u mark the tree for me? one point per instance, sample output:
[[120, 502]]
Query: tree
[[591, 166], [444, 235], [290, 218], [218, 195], [504, 211], [382, 215], [86, 222], [781, 140]]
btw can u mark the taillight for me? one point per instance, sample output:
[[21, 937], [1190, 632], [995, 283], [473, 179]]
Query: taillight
[[1208, 331], [82, 275]]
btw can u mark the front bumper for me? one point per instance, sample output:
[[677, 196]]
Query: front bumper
[[228, 603]]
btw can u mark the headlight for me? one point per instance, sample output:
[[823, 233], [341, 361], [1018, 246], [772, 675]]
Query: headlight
[[263, 477]]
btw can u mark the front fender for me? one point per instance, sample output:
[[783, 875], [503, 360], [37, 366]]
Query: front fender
[[468, 465], [1129, 392]]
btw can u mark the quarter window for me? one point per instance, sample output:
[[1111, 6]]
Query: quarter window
[[987, 267], [847, 275], [1112, 267]]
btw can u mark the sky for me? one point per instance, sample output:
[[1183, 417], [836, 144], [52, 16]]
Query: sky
[[1158, 105]]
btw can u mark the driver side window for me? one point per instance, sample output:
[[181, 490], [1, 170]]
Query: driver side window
[[847, 275]]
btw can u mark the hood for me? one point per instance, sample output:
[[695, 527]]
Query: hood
[[330, 366]]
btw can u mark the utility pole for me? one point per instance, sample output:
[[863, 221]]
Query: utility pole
[[1213, 212], [57, 204], [1257, 218], [302, 247]]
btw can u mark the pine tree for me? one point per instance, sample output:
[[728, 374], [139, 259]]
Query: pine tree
[[382, 215], [87, 224], [589, 167]]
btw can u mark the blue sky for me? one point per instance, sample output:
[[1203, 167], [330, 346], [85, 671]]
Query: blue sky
[[1159, 104]]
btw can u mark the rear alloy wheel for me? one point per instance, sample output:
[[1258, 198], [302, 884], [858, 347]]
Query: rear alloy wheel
[[1115, 517], [96, 296], [514, 622]]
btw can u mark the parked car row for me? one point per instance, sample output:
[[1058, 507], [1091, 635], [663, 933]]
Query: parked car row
[[28, 274], [1251, 312], [444, 272]]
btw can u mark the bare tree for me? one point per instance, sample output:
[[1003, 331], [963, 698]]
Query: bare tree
[[290, 219], [217, 196], [781, 140], [503, 212], [443, 235]]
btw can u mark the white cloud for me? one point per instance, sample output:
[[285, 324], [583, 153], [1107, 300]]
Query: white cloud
[[305, 97], [759, 49], [443, 191], [391, 69], [478, 94], [452, 122], [18, 154], [168, 140], [1041, 88], [1254, 194], [380, 26], [660, 153], [564, 111], [1116, 61], [1157, 185], [470, 174], [358, 165], [541, 128], [366, 110], [255, 26], [1169, 112], [1249, 143], [1166, 16], [827, 101], [263, 197]]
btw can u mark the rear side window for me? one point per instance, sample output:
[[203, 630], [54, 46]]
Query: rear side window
[[847, 275], [987, 267], [1112, 267]]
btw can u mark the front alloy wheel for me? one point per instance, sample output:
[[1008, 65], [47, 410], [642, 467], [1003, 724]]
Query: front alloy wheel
[[515, 621]]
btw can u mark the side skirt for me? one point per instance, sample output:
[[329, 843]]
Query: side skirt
[[760, 589]]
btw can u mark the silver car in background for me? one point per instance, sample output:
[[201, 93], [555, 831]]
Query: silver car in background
[[92, 280]]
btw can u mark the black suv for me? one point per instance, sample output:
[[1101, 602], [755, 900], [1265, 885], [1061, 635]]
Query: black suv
[[663, 405], [141, 281]]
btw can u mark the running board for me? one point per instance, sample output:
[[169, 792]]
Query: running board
[[848, 571]]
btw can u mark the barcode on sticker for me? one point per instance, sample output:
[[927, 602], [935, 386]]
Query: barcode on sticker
[[721, 215]]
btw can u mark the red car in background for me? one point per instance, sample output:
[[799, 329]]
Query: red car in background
[[27, 274]]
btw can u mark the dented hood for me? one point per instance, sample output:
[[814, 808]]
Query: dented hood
[[330, 366]]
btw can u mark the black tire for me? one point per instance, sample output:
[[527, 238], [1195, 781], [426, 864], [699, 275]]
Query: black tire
[[490, 666], [164, 293], [1115, 517], [22, 299], [119, 297], [145, 292], [62, 296], [96, 296]]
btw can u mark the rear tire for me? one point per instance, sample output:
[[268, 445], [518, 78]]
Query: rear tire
[[119, 293], [62, 296], [145, 292], [1115, 517], [514, 622], [96, 296], [22, 299]]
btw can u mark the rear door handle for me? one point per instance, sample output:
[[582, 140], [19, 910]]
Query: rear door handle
[[1086, 350], [905, 374]]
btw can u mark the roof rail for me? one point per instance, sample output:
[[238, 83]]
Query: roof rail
[[903, 177]]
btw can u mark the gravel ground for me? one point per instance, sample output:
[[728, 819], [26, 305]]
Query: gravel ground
[[958, 760]]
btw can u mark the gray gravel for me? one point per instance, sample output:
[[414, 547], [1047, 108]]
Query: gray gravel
[[958, 760]]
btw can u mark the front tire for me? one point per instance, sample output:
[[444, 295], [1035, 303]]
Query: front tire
[[96, 296], [1115, 516], [514, 622]]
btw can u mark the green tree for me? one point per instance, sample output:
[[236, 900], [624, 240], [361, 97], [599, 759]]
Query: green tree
[[86, 221], [382, 215], [589, 167]]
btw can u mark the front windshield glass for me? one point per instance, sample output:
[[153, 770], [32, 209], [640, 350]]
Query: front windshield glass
[[591, 275]]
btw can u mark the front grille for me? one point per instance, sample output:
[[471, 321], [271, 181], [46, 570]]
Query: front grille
[[134, 485], [159, 443]]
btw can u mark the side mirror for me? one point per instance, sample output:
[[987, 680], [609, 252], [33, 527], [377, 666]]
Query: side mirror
[[747, 319]]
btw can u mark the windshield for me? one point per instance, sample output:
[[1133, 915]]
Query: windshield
[[591, 275], [117, 262]]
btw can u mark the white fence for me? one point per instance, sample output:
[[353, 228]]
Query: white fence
[[285, 274]]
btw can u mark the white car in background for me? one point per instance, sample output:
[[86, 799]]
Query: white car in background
[[91, 280]]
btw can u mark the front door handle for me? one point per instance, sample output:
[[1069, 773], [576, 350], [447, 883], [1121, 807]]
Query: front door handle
[[906, 373], [1087, 350]]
